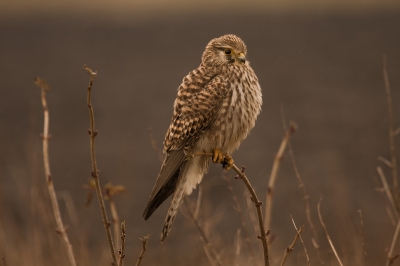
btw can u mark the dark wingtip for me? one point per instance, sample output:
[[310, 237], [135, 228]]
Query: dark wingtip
[[147, 213]]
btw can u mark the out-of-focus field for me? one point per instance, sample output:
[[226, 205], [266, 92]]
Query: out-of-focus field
[[324, 68]]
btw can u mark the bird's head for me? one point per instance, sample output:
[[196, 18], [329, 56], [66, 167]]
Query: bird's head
[[227, 49]]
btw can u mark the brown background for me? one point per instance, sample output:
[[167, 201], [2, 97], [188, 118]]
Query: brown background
[[322, 63]]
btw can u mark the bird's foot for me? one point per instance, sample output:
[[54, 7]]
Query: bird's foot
[[228, 162], [225, 159], [218, 156]]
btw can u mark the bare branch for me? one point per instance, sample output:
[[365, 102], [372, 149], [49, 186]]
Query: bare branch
[[390, 257], [274, 173], [385, 161], [95, 172], [144, 240], [391, 127], [61, 229], [301, 239], [326, 232], [122, 249], [290, 248], [362, 233], [388, 191]]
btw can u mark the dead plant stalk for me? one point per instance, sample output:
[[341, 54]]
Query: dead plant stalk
[[61, 230], [326, 233], [274, 174], [95, 172], [391, 127], [290, 248]]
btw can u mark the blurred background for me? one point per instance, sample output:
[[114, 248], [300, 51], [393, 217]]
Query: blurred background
[[319, 61]]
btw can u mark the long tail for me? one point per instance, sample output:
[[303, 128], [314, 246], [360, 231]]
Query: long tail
[[173, 208]]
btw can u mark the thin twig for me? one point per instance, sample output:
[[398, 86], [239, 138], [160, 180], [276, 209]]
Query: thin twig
[[290, 248], [301, 239], [95, 172], [274, 174], [391, 127], [390, 257], [122, 249], [61, 229], [116, 223], [207, 245], [388, 191], [144, 240], [242, 223], [362, 232], [326, 232]]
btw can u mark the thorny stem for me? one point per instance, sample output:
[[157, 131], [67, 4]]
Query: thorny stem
[[144, 240], [122, 250], [95, 172], [391, 127], [257, 203], [61, 230]]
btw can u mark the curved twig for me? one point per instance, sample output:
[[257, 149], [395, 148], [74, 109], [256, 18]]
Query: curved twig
[[61, 230]]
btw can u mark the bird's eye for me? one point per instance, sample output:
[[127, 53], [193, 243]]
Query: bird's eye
[[227, 51]]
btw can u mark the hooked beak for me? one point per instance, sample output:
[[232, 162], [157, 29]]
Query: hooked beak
[[240, 57]]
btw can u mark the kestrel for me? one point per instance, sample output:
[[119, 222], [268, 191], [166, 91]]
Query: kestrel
[[216, 107]]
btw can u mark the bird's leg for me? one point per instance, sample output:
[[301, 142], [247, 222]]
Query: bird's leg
[[218, 156], [227, 162]]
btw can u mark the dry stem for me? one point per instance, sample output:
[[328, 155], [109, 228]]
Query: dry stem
[[207, 245], [144, 240], [242, 223], [391, 127], [95, 172], [257, 203], [122, 250], [115, 221], [390, 257], [388, 191], [326, 232], [362, 232], [274, 173], [61, 230], [290, 248], [301, 239]]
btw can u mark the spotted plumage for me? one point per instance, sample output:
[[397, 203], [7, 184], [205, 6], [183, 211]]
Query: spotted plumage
[[216, 107]]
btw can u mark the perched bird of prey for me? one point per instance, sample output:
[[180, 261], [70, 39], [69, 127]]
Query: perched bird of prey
[[216, 107]]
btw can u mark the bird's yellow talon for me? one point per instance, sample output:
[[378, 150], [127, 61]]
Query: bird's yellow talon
[[218, 156]]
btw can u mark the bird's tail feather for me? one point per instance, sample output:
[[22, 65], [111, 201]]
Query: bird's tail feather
[[173, 208]]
